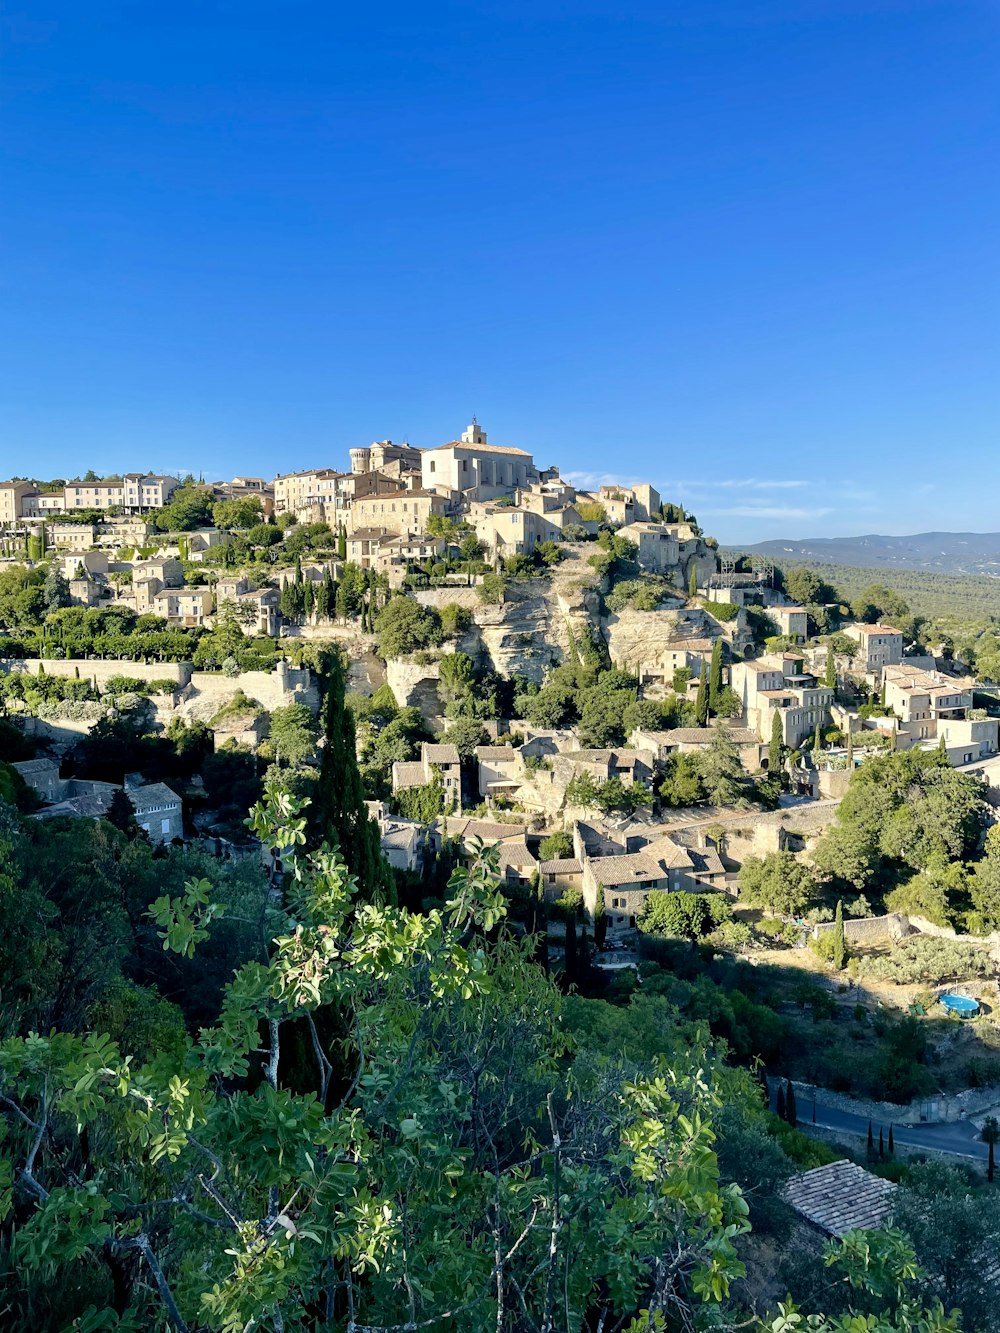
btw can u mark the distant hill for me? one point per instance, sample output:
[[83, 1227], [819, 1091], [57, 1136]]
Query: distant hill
[[933, 552]]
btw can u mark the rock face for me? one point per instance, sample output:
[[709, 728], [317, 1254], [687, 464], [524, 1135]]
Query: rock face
[[414, 685]]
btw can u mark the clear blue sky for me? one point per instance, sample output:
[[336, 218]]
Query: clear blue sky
[[747, 250]]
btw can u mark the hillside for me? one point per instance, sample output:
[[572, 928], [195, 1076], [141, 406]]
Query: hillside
[[934, 552]]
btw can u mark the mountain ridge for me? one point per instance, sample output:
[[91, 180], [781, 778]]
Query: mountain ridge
[[937, 552]]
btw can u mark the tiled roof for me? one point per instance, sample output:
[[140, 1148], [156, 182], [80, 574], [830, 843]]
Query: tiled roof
[[408, 774], [482, 828], [841, 1197], [702, 735], [568, 865], [153, 793], [440, 754], [515, 853], [478, 448], [497, 752]]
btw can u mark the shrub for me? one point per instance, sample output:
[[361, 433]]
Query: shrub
[[925, 959]]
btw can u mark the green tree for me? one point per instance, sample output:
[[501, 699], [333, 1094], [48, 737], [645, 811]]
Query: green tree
[[715, 677], [341, 543], [693, 581], [839, 954], [777, 882], [701, 704], [405, 626], [776, 747], [456, 678], [292, 734], [190, 507], [721, 770], [830, 674], [682, 785], [556, 847], [339, 815], [237, 514], [991, 1135]]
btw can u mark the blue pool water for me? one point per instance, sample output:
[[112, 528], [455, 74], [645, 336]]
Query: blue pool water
[[963, 1005]]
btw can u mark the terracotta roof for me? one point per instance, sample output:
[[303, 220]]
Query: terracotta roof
[[841, 1197], [506, 752]]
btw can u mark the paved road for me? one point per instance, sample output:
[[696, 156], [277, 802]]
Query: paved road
[[958, 1137]]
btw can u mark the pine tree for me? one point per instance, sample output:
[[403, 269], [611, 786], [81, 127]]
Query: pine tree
[[838, 954], [693, 582], [715, 677], [701, 703], [338, 813], [779, 1103], [776, 748], [791, 1113]]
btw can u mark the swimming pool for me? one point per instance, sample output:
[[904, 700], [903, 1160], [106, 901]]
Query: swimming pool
[[963, 1005]]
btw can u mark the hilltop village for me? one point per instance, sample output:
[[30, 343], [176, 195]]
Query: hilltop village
[[727, 815], [573, 674]]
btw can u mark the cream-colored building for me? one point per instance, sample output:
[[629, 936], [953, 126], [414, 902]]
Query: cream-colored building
[[779, 685], [401, 513], [188, 607], [297, 491], [441, 760], [880, 646], [506, 531], [135, 493], [472, 464], [792, 621], [12, 498]]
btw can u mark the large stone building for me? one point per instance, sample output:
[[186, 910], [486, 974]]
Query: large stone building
[[473, 465], [778, 685], [401, 513]]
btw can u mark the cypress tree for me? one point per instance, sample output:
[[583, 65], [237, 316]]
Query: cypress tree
[[871, 1139], [715, 677], [776, 747], [881, 1144], [830, 677], [342, 543], [701, 703], [839, 954], [818, 739], [990, 1164], [693, 582], [779, 1103], [338, 813], [569, 952], [850, 748], [791, 1113], [892, 1146]]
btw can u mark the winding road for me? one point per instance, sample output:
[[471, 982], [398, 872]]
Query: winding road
[[960, 1138]]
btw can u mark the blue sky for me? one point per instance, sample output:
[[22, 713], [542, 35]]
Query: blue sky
[[745, 249]]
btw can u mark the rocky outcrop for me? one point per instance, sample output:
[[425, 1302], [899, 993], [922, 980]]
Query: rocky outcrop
[[414, 685]]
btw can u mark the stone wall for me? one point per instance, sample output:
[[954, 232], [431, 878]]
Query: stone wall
[[870, 931], [100, 670]]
